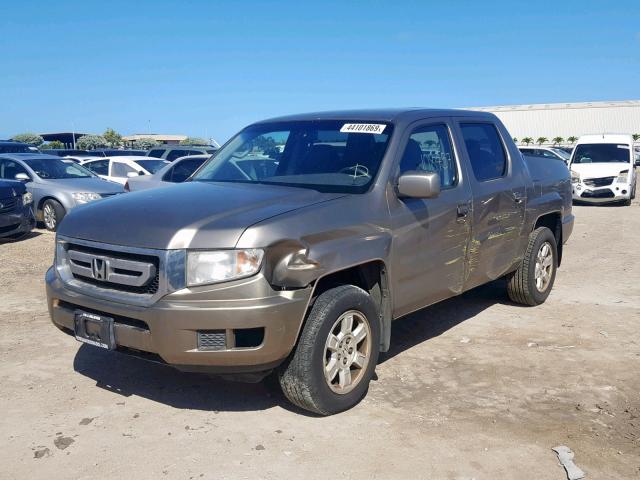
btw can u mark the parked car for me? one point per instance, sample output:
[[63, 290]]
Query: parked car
[[68, 152], [9, 146], [115, 152], [16, 214], [120, 169], [172, 152], [603, 169], [546, 152], [357, 218], [56, 185], [175, 172]]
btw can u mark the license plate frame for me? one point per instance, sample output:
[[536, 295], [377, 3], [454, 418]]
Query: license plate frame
[[94, 329]]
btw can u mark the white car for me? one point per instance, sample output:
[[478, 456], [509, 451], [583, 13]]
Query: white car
[[119, 169], [603, 169], [174, 172], [547, 152]]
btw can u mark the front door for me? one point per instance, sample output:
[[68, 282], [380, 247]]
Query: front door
[[430, 236]]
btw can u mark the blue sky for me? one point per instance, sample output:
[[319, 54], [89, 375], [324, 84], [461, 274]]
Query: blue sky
[[208, 68]]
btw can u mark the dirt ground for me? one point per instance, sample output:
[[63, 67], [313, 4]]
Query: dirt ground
[[475, 387]]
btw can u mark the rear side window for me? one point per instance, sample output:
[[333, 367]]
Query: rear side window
[[485, 149], [120, 169], [157, 153], [99, 167]]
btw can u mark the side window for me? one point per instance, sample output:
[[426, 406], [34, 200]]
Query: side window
[[548, 154], [527, 151], [99, 167], [183, 170], [9, 169], [157, 153], [485, 149], [173, 154], [429, 150], [120, 169]]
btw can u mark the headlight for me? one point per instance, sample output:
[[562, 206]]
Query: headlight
[[575, 177], [85, 197], [27, 198], [623, 176], [222, 265]]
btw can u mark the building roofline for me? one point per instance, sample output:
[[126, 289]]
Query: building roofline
[[557, 106]]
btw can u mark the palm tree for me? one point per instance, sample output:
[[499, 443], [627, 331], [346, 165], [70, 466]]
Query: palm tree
[[542, 140], [527, 140], [515, 140], [572, 139], [557, 140], [636, 137]]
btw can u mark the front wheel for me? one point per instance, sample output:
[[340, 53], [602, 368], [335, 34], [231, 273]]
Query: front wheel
[[336, 354], [52, 214], [531, 283]]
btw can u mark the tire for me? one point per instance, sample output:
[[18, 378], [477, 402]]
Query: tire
[[523, 286], [52, 214], [302, 377]]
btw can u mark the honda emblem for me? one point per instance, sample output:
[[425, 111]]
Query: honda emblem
[[99, 268]]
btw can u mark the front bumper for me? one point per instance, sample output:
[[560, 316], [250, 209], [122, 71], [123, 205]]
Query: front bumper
[[18, 222], [616, 192], [170, 327]]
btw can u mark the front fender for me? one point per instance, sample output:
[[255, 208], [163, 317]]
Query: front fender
[[296, 264]]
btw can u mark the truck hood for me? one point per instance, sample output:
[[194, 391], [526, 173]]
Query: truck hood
[[597, 170], [189, 215]]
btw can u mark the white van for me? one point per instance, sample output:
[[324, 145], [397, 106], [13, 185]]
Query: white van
[[603, 169]]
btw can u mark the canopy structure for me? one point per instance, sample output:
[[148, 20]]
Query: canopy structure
[[68, 138]]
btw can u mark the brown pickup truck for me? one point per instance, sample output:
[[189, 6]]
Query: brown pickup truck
[[295, 246]]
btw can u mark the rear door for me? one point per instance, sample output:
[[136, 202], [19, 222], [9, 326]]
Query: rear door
[[498, 184], [430, 236]]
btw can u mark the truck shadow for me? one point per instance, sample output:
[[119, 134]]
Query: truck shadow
[[127, 376], [433, 321]]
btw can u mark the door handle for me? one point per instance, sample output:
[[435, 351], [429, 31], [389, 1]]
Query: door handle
[[463, 210]]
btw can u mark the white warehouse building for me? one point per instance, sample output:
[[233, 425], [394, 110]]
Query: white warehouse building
[[568, 119]]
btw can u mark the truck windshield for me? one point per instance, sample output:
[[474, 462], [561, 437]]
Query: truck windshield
[[324, 155], [53, 168], [602, 153]]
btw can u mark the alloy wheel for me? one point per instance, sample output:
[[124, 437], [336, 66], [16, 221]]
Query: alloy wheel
[[544, 267], [347, 352]]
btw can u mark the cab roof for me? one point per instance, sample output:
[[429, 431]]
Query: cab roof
[[383, 115]]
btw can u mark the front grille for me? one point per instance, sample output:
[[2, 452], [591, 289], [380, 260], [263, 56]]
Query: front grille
[[599, 194], [8, 204], [83, 270], [212, 340], [599, 182]]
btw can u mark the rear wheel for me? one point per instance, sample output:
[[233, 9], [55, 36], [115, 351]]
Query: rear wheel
[[336, 354], [52, 214], [531, 283]]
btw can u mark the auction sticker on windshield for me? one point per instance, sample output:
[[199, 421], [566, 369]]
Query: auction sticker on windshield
[[363, 128]]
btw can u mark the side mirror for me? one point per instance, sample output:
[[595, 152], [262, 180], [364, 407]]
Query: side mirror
[[133, 174], [23, 177], [416, 184]]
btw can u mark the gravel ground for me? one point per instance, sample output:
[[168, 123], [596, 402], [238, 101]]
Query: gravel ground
[[475, 387]]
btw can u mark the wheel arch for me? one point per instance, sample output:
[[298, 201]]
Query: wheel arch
[[553, 221], [373, 277]]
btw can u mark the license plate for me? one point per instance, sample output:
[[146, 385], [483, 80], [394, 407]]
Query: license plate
[[96, 330]]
